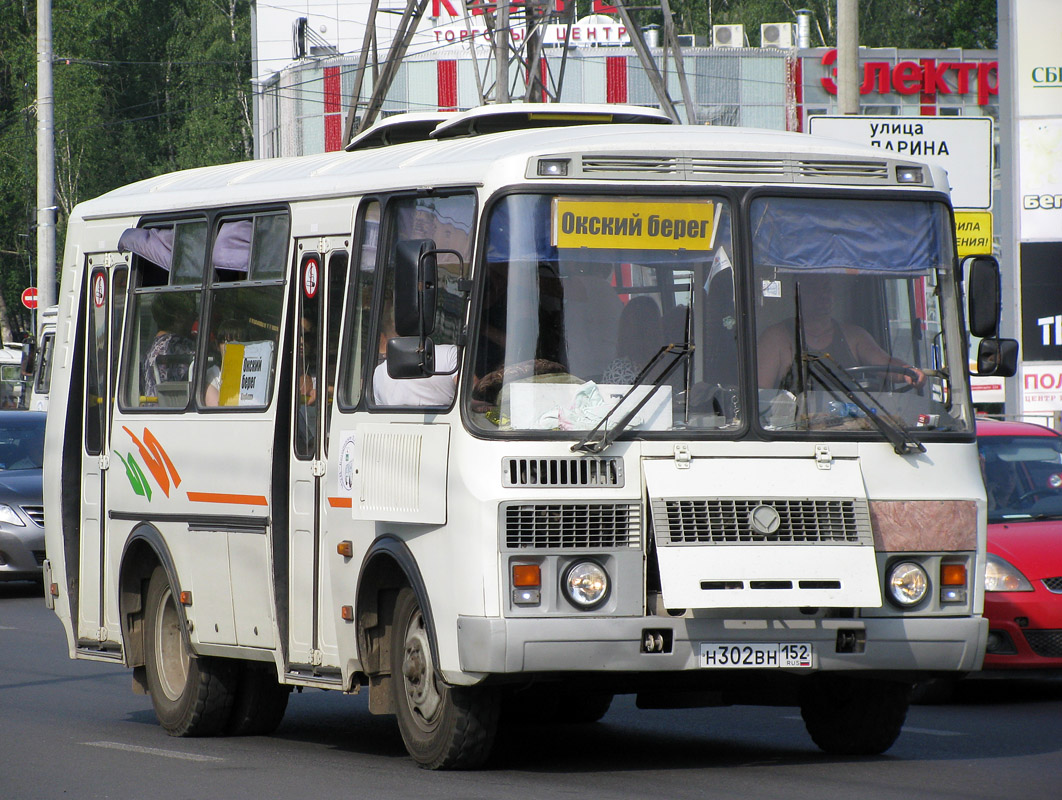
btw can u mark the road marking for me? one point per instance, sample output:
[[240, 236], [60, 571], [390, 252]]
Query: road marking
[[152, 751], [931, 732]]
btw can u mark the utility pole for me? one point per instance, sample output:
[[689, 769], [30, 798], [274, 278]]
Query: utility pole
[[848, 56], [45, 162]]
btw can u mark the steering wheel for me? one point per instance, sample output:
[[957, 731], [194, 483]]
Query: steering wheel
[[1033, 493], [487, 387], [861, 374]]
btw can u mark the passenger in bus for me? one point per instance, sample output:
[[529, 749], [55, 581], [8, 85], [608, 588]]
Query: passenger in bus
[[846, 344], [433, 390], [228, 331], [641, 335], [170, 355]]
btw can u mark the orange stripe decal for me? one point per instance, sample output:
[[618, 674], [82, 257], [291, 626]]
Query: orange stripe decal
[[234, 499], [340, 502]]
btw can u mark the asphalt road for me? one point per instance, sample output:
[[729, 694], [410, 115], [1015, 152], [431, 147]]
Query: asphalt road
[[74, 729]]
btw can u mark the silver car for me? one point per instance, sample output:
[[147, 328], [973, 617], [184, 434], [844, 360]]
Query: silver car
[[21, 502]]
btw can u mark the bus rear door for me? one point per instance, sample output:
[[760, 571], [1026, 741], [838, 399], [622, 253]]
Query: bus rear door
[[104, 305]]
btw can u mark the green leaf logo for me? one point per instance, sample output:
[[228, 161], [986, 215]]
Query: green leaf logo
[[137, 479]]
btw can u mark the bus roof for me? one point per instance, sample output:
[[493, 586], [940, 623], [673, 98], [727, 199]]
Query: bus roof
[[657, 153]]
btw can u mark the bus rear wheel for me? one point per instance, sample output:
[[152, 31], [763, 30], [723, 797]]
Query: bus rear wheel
[[855, 716], [260, 702], [443, 727], [191, 696]]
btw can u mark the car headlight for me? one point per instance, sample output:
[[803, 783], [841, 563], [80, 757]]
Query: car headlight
[[8, 515], [1002, 576], [907, 583], [585, 584]]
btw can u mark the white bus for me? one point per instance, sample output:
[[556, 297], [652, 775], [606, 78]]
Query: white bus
[[12, 382], [505, 413], [36, 357]]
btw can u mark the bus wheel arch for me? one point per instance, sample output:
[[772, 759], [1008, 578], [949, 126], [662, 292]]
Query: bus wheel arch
[[144, 551], [387, 569], [442, 726], [191, 695]]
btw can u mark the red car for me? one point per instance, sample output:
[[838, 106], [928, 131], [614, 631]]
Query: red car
[[1022, 464]]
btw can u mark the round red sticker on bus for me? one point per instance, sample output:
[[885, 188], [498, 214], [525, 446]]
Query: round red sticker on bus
[[309, 278], [99, 290]]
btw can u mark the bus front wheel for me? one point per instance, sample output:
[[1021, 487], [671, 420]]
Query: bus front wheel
[[443, 727], [191, 696], [855, 716]]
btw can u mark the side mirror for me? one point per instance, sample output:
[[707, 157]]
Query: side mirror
[[997, 357], [407, 359], [984, 295], [416, 271]]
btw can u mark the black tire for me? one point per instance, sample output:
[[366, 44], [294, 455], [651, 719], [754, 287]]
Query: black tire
[[443, 727], [855, 716], [191, 696], [260, 701]]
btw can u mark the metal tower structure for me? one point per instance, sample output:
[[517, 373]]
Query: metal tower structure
[[542, 68]]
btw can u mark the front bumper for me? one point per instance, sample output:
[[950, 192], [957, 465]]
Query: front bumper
[[510, 646], [1032, 621], [21, 552]]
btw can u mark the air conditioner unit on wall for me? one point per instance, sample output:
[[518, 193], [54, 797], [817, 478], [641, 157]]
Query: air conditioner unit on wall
[[728, 35], [777, 34]]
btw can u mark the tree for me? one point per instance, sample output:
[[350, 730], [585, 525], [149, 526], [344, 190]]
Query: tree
[[915, 24], [141, 87]]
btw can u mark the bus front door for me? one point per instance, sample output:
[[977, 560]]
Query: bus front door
[[319, 281]]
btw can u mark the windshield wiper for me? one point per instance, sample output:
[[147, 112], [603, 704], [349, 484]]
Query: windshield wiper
[[590, 444], [828, 372]]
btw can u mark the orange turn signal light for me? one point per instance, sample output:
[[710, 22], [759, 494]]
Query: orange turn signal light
[[186, 598], [347, 613], [345, 548], [527, 575], [953, 574]]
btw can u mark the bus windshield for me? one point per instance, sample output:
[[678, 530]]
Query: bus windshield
[[625, 309], [850, 313]]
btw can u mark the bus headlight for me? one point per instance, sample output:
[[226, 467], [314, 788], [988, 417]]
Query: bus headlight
[[585, 584], [906, 583]]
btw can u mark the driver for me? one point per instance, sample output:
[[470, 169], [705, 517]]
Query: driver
[[845, 343]]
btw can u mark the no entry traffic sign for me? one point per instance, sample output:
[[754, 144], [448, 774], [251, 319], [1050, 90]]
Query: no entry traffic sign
[[29, 297]]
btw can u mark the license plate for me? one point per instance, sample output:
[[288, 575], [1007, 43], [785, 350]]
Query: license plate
[[757, 655]]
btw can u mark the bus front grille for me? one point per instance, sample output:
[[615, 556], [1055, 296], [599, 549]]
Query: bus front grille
[[562, 471], [728, 521], [556, 526], [778, 168]]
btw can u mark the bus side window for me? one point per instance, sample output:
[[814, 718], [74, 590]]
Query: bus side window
[[448, 222], [158, 362], [246, 299]]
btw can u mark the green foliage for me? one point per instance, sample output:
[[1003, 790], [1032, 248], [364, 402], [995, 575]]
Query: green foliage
[[908, 24], [141, 87]]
